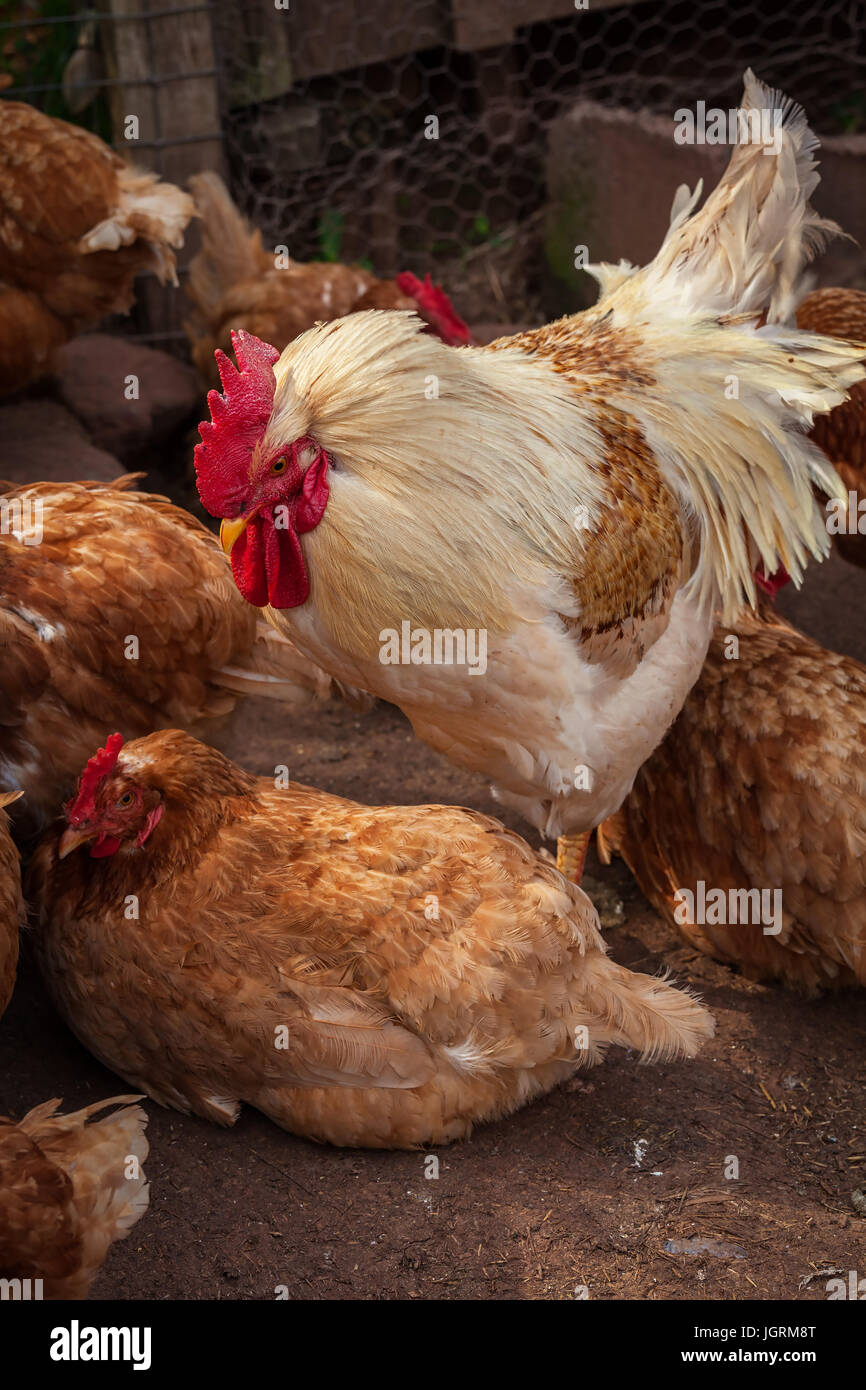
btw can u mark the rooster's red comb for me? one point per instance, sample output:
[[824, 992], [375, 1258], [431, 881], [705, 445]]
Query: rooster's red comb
[[97, 769], [238, 418], [436, 308]]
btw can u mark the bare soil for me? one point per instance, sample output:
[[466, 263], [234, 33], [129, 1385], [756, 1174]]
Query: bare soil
[[584, 1189]]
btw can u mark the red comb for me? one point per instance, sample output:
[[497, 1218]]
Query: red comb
[[96, 770], [436, 308], [238, 419]]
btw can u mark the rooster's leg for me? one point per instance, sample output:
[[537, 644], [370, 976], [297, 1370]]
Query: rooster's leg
[[571, 853]]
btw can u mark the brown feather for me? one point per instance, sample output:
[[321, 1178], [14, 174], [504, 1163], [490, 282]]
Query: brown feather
[[114, 564], [77, 225], [379, 976], [11, 904], [761, 783], [842, 433], [68, 1190]]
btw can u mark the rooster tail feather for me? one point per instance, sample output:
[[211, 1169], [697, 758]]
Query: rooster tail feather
[[729, 413], [744, 252]]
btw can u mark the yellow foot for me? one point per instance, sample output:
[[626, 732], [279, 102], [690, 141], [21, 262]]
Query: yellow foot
[[571, 853]]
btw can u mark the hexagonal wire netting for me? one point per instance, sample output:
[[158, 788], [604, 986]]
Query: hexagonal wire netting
[[321, 115], [340, 163]]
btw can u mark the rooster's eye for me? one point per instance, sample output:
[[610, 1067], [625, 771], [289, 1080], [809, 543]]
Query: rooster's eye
[[281, 464], [125, 800]]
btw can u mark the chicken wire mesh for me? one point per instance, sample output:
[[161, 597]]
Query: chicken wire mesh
[[408, 134], [338, 160]]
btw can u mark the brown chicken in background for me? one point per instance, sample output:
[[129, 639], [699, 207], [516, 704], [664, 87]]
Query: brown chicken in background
[[376, 976], [11, 905], [77, 225], [842, 434], [124, 615], [68, 1190], [761, 785], [233, 283]]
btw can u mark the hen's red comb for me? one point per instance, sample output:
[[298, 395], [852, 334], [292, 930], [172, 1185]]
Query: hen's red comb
[[436, 308], [238, 419], [95, 772]]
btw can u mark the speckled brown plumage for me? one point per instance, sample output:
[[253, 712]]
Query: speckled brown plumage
[[603, 357], [77, 225], [631, 563], [11, 907], [114, 564], [761, 783], [842, 433], [68, 1190], [423, 967]]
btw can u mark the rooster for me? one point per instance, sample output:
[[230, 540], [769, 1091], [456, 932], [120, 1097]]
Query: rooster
[[842, 433], [383, 976], [11, 905], [117, 607], [68, 1190], [760, 785], [78, 225], [583, 499], [234, 283]]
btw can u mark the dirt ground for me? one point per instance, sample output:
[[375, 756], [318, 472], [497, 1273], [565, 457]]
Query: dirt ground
[[588, 1189]]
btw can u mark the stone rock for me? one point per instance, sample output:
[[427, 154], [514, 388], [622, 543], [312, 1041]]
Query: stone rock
[[42, 442], [94, 377]]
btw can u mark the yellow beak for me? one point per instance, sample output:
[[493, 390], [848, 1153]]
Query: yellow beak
[[71, 839], [229, 532]]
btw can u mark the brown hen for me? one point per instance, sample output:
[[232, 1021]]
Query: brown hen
[[11, 905], [842, 433], [117, 609], [68, 1190], [234, 283], [761, 785], [77, 225], [378, 976]]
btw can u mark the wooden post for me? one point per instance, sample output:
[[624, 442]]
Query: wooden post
[[164, 72]]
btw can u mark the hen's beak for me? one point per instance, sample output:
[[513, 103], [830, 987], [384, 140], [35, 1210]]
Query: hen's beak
[[71, 839], [230, 530]]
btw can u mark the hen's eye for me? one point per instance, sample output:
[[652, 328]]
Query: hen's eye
[[125, 800], [281, 464]]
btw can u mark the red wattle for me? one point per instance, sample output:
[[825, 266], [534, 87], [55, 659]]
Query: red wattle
[[104, 846], [288, 581], [248, 563], [267, 560]]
